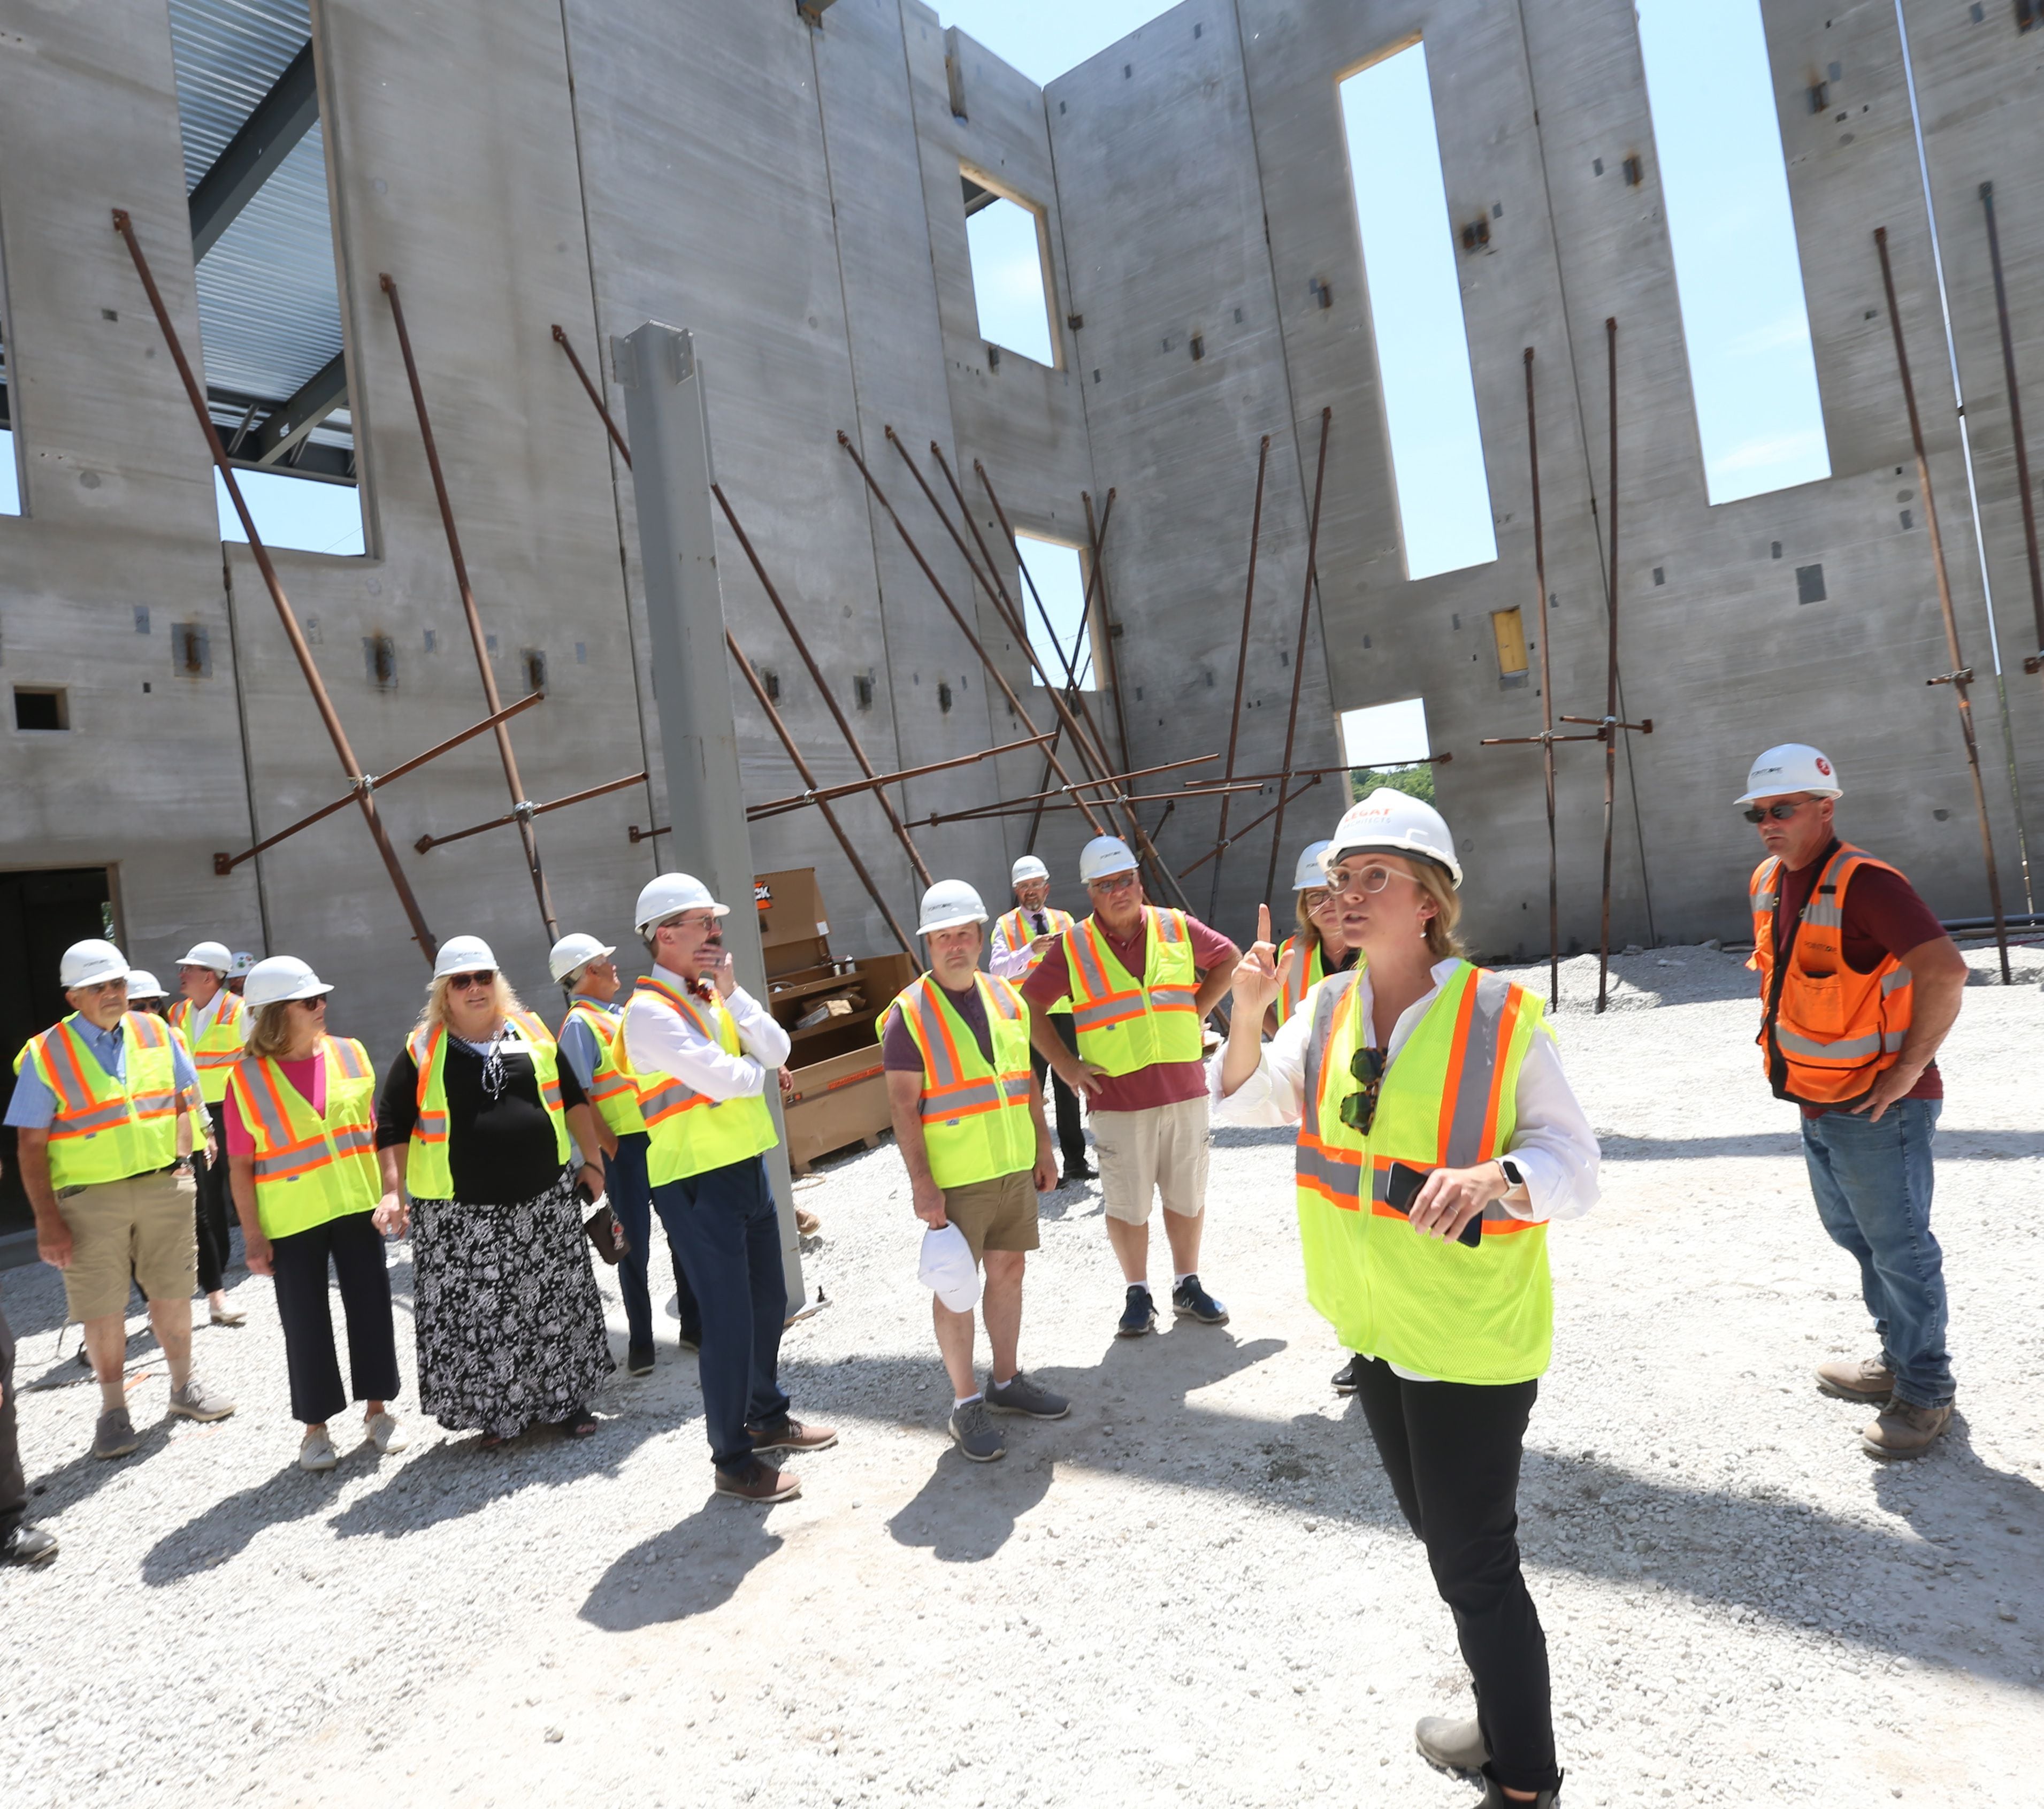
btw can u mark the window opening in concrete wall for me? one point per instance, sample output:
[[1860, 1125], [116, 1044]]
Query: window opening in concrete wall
[[1386, 744], [269, 293], [41, 707], [1060, 576], [10, 469], [1416, 311], [1752, 372], [1011, 276]]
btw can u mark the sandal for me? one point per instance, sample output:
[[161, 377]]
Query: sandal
[[579, 1424]]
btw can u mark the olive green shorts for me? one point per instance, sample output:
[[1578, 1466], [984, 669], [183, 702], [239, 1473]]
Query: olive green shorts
[[142, 1227], [1000, 1214]]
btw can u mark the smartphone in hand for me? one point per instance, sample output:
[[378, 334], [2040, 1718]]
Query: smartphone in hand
[[1404, 1189]]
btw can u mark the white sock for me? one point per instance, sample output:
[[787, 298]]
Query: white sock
[[965, 1400], [1180, 1281]]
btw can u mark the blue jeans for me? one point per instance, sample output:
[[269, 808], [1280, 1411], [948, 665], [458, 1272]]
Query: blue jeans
[[723, 1223], [1872, 1184], [632, 1201]]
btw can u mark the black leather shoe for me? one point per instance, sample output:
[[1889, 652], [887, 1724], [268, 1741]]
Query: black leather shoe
[[638, 1360], [1348, 1376], [23, 1543], [1077, 1173]]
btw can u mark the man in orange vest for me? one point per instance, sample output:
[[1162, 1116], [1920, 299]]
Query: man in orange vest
[[1859, 985]]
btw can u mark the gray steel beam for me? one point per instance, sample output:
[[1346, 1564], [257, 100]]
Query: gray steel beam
[[267, 136], [288, 423], [655, 366]]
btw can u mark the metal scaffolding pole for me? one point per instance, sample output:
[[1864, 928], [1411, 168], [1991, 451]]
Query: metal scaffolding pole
[[1299, 651], [1241, 663]]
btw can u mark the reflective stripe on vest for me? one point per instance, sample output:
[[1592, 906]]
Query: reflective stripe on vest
[[427, 1174], [104, 1129], [1124, 1025], [611, 1090], [689, 1132], [1831, 1030], [1289, 993], [975, 1116], [1449, 1100], [1022, 931], [309, 1169], [216, 1052]]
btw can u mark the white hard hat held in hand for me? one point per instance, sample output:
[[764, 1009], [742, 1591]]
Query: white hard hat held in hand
[[1794, 766], [946, 1265], [669, 896], [463, 954], [1388, 822], [1027, 867], [91, 963], [282, 977], [208, 955], [948, 904], [575, 951], [1312, 869], [142, 985], [1103, 855]]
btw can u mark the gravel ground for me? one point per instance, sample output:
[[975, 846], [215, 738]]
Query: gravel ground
[[1195, 1589]]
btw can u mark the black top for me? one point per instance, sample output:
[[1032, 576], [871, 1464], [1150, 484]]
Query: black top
[[500, 1150]]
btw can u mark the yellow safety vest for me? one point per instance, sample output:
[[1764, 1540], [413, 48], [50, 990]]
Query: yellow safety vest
[[104, 1129], [690, 1132], [611, 1090], [310, 1168], [1290, 993], [215, 1053], [1021, 930], [428, 1175], [1459, 1315], [976, 1121], [1123, 1025]]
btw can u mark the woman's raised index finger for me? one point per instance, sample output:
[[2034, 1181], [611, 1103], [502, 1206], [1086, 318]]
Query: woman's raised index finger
[[1263, 923]]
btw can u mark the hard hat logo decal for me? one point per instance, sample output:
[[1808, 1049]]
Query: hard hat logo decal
[[1824, 765]]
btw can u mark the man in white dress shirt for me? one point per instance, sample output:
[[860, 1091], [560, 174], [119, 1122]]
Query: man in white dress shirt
[[702, 1052]]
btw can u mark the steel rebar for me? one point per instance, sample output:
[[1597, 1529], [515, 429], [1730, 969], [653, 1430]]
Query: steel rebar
[[616, 434], [1299, 651], [829, 794], [2036, 660], [1303, 786], [1103, 644], [1610, 663], [1546, 700], [526, 811]]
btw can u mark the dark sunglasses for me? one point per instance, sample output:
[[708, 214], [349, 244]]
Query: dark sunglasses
[[462, 982], [1780, 812], [1358, 1111]]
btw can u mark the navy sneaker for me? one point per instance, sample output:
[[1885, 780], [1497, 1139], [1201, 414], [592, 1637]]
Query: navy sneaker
[[1139, 1315], [1191, 1300]]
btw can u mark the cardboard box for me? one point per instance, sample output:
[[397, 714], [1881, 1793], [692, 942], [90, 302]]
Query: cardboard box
[[836, 1102]]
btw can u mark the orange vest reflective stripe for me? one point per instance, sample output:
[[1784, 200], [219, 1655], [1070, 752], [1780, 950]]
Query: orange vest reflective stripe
[[611, 1091], [689, 1132], [217, 1051], [1021, 928], [1826, 1031], [1291, 988], [104, 1129], [1124, 1024], [975, 1115], [310, 1167]]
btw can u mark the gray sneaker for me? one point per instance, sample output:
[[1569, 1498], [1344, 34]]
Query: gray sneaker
[[975, 1435], [114, 1436], [1451, 1746], [196, 1401], [1019, 1395]]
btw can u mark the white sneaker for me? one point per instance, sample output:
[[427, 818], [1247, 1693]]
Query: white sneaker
[[316, 1453], [386, 1433]]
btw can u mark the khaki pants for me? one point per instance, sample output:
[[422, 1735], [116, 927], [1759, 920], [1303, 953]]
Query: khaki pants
[[143, 1226], [1162, 1150]]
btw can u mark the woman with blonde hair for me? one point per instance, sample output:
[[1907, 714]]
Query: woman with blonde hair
[[299, 1129], [1315, 949], [1437, 1138], [474, 1124]]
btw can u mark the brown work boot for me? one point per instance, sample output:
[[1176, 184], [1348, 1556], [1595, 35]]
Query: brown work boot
[[1867, 1378], [1905, 1431], [789, 1435], [759, 1482]]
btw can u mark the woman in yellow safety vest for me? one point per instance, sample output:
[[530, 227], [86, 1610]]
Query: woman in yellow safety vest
[[1315, 949], [301, 1161], [1437, 1137], [473, 1123]]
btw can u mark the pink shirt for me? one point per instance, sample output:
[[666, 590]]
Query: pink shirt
[[309, 1076], [1165, 1083]]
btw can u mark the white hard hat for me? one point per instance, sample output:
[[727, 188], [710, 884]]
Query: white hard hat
[[243, 965], [142, 985], [574, 952], [90, 963], [1105, 854], [285, 977], [1794, 766], [463, 954], [669, 896], [1311, 871], [208, 955], [948, 904], [1388, 822], [1028, 867], [945, 1264]]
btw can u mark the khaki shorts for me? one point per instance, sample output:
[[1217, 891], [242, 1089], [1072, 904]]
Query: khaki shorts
[[142, 1226], [1000, 1214], [1162, 1150]]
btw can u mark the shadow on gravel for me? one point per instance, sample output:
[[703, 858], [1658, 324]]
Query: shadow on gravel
[[1253, 1136], [967, 1511], [226, 1528], [690, 1569], [85, 1475]]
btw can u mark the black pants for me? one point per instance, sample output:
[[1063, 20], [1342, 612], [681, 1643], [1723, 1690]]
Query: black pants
[[14, 1485], [355, 1248], [1071, 1128], [630, 1197], [1452, 1451], [215, 1210]]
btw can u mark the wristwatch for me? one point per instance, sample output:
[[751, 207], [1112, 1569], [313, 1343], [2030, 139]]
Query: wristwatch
[[1514, 1175]]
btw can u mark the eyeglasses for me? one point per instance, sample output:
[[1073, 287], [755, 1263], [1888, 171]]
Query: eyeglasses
[[313, 1004], [467, 982], [1780, 812], [1314, 900], [1367, 879], [1112, 883], [1358, 1111]]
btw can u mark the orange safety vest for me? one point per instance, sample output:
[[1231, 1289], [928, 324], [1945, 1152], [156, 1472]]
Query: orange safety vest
[[103, 1129], [1827, 1029], [218, 1048], [1124, 1023], [1292, 988], [310, 1166], [1021, 932]]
